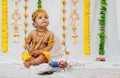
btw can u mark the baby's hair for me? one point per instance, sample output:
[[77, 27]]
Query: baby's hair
[[38, 11]]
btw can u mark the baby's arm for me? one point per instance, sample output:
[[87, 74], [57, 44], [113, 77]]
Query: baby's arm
[[28, 41]]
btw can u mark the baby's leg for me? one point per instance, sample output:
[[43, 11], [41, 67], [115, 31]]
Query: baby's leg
[[40, 59], [27, 64]]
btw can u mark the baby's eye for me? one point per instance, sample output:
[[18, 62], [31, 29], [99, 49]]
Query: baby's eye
[[46, 16], [40, 17]]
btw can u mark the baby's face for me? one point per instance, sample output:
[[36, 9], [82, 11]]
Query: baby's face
[[41, 20], [62, 64]]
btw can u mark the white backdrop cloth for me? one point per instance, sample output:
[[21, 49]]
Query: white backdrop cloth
[[12, 59]]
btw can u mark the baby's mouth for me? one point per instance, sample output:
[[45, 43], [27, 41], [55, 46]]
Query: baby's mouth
[[43, 22]]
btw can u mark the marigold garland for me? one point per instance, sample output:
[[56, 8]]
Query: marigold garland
[[102, 23], [86, 27], [25, 21], [4, 26], [63, 42]]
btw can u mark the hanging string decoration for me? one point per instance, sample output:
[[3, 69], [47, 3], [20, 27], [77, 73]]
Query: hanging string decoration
[[4, 26], [25, 21], [39, 4], [102, 23], [15, 21], [87, 27], [74, 21], [64, 27]]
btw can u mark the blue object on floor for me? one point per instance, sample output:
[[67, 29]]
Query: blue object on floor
[[54, 64]]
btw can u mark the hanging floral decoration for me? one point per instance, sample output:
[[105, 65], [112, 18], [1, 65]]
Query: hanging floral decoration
[[102, 23], [4, 26], [15, 18], [74, 21], [63, 42], [39, 4], [87, 27], [25, 20]]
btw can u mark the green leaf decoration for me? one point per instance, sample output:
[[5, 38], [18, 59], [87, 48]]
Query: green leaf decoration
[[102, 23], [103, 8], [103, 2], [39, 4], [102, 36], [101, 52]]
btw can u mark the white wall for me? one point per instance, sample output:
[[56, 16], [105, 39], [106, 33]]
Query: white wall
[[112, 46]]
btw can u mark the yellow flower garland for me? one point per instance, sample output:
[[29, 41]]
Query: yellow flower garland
[[86, 27], [25, 22], [63, 42], [4, 26]]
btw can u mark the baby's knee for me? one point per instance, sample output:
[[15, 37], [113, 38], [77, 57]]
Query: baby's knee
[[46, 56]]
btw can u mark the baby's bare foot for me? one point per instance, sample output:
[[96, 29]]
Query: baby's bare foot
[[27, 64]]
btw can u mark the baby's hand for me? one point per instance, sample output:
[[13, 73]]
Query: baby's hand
[[31, 52], [35, 53]]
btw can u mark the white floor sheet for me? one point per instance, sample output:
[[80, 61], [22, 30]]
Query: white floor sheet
[[76, 69]]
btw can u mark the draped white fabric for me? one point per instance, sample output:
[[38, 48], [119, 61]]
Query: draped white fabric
[[112, 45], [11, 64]]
